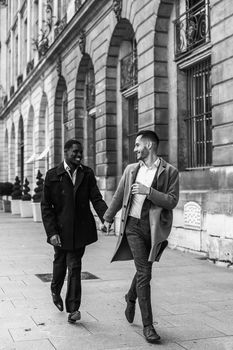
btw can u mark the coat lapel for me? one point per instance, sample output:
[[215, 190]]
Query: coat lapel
[[132, 178], [79, 179], [162, 167], [133, 174], [60, 169]]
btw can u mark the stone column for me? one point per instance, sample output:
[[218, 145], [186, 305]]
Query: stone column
[[29, 27], [19, 42], [40, 17], [12, 59], [11, 47], [55, 10]]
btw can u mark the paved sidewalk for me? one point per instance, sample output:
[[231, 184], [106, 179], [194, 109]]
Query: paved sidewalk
[[192, 298]]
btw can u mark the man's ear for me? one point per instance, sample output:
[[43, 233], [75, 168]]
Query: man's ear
[[149, 145]]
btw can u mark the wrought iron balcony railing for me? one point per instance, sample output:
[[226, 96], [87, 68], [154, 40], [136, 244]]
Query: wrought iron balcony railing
[[129, 71], [192, 28]]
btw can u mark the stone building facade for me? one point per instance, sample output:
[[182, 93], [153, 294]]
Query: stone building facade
[[102, 70]]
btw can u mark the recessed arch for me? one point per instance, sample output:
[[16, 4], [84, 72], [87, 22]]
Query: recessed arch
[[30, 153], [85, 112], [12, 154], [60, 107], [20, 149], [123, 46], [6, 166], [42, 158]]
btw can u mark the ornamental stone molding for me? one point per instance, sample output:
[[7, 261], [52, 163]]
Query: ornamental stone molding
[[3, 2], [60, 25], [192, 215], [117, 8], [49, 14], [78, 4], [59, 66], [82, 41]]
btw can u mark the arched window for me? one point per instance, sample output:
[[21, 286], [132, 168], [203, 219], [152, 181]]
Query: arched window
[[91, 115], [21, 150], [65, 118], [128, 88]]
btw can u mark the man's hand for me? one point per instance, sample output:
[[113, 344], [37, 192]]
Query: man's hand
[[55, 241], [138, 188], [107, 226]]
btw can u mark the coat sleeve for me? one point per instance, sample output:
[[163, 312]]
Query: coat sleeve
[[96, 198], [169, 199], [47, 210], [117, 200]]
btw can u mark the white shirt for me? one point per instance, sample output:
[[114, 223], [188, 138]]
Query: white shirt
[[67, 169], [145, 176]]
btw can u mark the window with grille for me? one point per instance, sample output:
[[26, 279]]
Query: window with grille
[[199, 116]]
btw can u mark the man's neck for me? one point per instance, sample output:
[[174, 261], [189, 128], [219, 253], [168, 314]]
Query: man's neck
[[72, 166], [149, 162]]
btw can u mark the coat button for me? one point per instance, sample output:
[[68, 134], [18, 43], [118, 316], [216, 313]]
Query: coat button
[[125, 206], [122, 220]]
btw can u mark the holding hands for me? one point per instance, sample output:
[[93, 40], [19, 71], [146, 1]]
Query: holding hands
[[106, 226]]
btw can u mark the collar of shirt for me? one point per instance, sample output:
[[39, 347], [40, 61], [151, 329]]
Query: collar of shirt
[[67, 169], [155, 165], [66, 166]]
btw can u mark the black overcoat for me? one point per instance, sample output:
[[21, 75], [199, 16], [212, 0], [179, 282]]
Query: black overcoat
[[66, 208]]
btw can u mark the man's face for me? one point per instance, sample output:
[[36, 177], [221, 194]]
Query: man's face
[[141, 148], [73, 155]]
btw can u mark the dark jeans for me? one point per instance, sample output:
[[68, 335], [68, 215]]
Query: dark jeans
[[71, 260], [139, 239]]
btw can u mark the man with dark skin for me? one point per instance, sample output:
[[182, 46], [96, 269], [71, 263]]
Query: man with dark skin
[[69, 223], [147, 193]]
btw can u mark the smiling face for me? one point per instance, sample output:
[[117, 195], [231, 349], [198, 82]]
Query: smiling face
[[73, 155], [141, 148]]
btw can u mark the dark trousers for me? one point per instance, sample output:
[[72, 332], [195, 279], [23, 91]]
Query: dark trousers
[[139, 239], [71, 260]]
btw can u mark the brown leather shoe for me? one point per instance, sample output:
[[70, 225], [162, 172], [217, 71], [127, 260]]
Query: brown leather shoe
[[150, 334], [130, 309]]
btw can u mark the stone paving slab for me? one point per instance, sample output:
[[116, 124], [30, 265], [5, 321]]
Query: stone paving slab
[[43, 344], [223, 343], [192, 299]]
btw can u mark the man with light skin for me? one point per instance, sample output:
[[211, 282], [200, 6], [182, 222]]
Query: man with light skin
[[147, 193], [69, 223]]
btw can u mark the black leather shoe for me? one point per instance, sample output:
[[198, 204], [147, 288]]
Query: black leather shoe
[[130, 309], [57, 300], [150, 334]]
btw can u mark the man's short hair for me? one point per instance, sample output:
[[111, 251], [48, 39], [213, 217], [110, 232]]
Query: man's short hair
[[149, 134], [70, 143]]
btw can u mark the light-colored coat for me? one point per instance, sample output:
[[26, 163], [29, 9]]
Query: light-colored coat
[[163, 199]]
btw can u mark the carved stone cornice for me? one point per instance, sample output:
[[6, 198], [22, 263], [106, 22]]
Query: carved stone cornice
[[78, 4], [50, 4], [117, 8], [3, 2], [60, 25], [82, 41]]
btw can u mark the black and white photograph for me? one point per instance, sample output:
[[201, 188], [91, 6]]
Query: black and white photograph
[[116, 174]]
